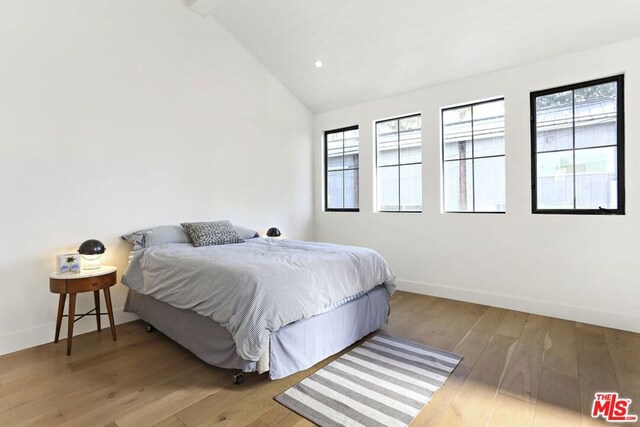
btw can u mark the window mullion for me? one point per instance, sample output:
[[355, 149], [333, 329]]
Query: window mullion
[[573, 140], [473, 166], [399, 183], [343, 190]]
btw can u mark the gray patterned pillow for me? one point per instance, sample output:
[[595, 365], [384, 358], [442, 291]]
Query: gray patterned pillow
[[212, 233]]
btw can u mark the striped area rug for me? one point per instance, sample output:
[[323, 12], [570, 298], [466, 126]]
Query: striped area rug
[[385, 381]]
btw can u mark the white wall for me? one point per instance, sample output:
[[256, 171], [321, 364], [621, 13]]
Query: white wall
[[584, 268], [117, 115]]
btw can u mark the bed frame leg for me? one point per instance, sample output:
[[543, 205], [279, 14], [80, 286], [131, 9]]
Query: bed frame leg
[[238, 378], [149, 328]]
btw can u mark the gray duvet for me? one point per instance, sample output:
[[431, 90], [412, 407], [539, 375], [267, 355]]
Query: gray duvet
[[256, 287]]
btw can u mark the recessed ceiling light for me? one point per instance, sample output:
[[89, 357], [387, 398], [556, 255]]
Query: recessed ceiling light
[[318, 64]]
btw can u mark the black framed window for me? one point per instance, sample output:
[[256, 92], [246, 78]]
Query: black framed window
[[342, 161], [399, 164], [577, 148], [473, 156]]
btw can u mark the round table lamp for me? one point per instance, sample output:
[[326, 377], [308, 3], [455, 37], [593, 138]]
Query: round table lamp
[[91, 251], [273, 232]]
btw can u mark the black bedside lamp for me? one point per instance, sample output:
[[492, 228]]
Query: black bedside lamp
[[273, 232], [91, 251]]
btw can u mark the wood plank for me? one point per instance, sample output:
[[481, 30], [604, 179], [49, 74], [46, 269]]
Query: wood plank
[[167, 402], [222, 407], [409, 313], [522, 376], [49, 418], [509, 411], [625, 356], [558, 400], [595, 369], [430, 329], [561, 354], [396, 295], [28, 408], [449, 336], [474, 401], [170, 421], [512, 324], [139, 390], [279, 416], [474, 343]]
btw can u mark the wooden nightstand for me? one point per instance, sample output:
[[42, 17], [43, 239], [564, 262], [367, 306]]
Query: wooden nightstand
[[85, 281]]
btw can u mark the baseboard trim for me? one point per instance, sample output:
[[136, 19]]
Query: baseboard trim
[[43, 334], [624, 321]]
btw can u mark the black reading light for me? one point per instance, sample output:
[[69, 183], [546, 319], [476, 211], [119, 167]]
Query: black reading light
[[273, 232], [91, 250]]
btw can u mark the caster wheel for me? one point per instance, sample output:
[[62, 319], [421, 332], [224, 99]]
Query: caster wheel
[[149, 329], [238, 378]]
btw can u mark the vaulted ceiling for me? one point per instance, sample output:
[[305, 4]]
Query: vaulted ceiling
[[376, 48]]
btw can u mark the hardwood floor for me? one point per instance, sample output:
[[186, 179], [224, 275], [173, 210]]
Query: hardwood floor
[[518, 370]]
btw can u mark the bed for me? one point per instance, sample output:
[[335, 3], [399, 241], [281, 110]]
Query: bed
[[266, 304]]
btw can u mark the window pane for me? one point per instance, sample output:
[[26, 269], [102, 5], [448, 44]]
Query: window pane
[[334, 153], [596, 178], [555, 180], [335, 136], [334, 190], [351, 150], [458, 186], [388, 197], [387, 140], [489, 184], [351, 161], [410, 140], [457, 133], [596, 115], [554, 121], [488, 129], [351, 189], [351, 134], [411, 188]]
